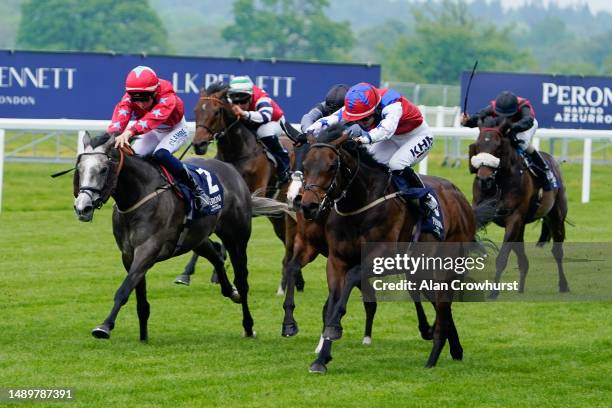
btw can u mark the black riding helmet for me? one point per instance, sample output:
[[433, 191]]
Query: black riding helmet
[[506, 104], [334, 99]]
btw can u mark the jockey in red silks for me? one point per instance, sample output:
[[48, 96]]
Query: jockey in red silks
[[160, 128], [254, 106], [523, 126], [393, 129]]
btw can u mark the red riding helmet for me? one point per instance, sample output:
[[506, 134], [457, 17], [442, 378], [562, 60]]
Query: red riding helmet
[[360, 102], [141, 79]]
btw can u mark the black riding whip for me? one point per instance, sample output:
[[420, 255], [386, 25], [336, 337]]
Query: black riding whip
[[61, 173], [467, 90], [185, 151]]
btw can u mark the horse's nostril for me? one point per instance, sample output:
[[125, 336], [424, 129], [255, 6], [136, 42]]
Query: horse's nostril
[[87, 209]]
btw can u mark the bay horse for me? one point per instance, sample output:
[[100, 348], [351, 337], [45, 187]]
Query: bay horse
[[503, 177], [148, 221], [310, 241], [337, 170], [237, 144]]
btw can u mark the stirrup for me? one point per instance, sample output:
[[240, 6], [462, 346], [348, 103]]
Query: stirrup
[[432, 205]]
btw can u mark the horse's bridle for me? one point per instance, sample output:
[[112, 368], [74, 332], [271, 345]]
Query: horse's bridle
[[325, 201], [223, 128], [98, 202]]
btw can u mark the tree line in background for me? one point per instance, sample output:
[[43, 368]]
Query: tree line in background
[[417, 42]]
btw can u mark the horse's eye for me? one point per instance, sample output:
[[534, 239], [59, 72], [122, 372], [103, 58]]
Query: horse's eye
[[104, 170]]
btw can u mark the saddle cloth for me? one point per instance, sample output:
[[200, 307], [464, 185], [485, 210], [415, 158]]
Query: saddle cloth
[[208, 181]]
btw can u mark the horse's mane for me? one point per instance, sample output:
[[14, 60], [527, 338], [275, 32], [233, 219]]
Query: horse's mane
[[99, 140], [333, 132], [216, 87]]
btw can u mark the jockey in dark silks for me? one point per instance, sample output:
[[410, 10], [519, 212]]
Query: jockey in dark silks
[[334, 100], [523, 126], [260, 112]]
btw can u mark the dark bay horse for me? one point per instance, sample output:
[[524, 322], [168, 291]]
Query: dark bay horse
[[503, 177], [148, 219], [337, 170], [238, 145], [310, 241]]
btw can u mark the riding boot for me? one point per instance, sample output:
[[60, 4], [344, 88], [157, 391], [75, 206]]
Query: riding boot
[[407, 179], [543, 172], [201, 199], [280, 154]]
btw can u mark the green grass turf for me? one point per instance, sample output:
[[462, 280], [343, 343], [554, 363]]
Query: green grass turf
[[58, 277]]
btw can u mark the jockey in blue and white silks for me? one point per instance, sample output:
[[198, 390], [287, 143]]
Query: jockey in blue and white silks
[[393, 129]]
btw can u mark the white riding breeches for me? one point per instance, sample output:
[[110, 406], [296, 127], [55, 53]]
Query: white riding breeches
[[272, 128], [524, 138], [403, 150], [170, 139]]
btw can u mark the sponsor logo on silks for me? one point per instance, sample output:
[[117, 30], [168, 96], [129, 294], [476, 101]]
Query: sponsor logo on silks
[[422, 147]]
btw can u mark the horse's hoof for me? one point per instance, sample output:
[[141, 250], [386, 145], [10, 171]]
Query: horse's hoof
[[564, 289], [101, 332], [494, 294], [183, 280], [253, 335], [214, 278], [317, 368], [235, 296], [144, 340], [427, 333], [457, 354], [290, 329], [332, 332], [367, 340]]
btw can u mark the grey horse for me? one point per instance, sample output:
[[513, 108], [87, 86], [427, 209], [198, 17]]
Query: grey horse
[[148, 220]]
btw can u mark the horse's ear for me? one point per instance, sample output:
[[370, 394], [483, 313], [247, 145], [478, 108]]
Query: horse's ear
[[86, 139], [345, 136], [472, 152], [504, 126], [202, 91], [311, 138]]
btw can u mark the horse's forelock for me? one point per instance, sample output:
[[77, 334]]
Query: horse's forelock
[[330, 134]]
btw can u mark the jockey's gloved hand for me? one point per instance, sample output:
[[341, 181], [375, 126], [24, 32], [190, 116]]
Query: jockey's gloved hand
[[301, 139]]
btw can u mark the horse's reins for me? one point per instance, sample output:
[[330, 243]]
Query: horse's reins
[[323, 204]]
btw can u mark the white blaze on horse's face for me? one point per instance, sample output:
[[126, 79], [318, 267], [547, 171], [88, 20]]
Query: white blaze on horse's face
[[294, 190], [92, 177]]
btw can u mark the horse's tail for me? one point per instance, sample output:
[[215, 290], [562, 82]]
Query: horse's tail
[[269, 207], [485, 212], [545, 235]]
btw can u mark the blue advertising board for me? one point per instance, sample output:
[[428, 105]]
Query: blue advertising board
[[88, 85], [559, 101]]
